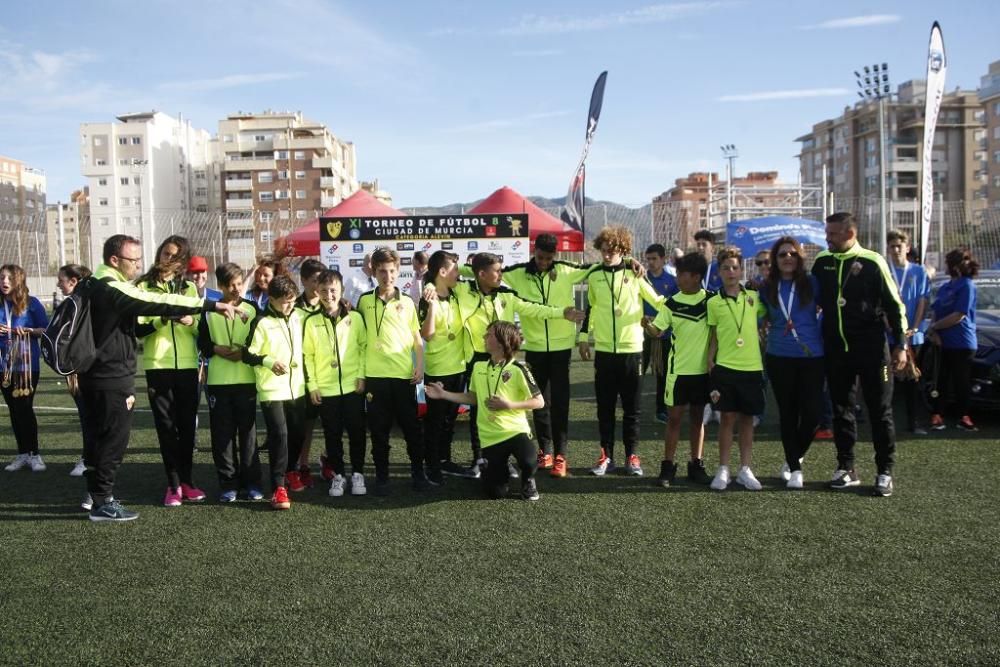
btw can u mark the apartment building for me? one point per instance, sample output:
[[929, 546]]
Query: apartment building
[[75, 227], [846, 148], [281, 170], [989, 97], [22, 196], [148, 175]]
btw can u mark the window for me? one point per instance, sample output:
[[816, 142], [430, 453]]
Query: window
[[266, 216], [124, 163], [282, 175], [228, 138], [100, 163], [996, 181], [126, 220], [281, 194], [267, 196], [103, 222], [996, 156], [125, 201], [996, 112], [996, 132], [300, 194], [201, 192], [123, 141], [300, 215], [283, 214], [260, 138], [300, 175], [265, 177], [201, 208], [123, 180], [300, 155], [136, 141], [102, 201], [281, 155], [199, 175], [135, 180], [102, 181]]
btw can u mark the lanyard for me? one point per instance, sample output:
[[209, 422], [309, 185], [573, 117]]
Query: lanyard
[[7, 316], [739, 322], [786, 310], [379, 320], [708, 277], [333, 335], [541, 287], [902, 279], [496, 387], [611, 286]]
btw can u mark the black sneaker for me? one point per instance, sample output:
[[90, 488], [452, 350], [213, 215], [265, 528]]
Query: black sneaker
[[112, 510], [883, 486], [455, 470], [434, 477], [420, 481], [529, 490], [696, 472], [844, 479], [668, 471]]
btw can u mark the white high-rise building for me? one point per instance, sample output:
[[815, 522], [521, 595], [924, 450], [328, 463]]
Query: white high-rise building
[[149, 175]]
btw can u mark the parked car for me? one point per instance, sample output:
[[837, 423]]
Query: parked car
[[985, 376]]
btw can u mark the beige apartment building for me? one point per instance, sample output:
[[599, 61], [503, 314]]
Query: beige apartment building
[[75, 236], [846, 148], [280, 171], [989, 97], [22, 214]]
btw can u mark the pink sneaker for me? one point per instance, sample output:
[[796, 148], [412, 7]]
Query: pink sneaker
[[172, 498], [192, 494]]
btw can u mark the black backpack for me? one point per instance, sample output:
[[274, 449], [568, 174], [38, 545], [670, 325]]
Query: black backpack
[[68, 342]]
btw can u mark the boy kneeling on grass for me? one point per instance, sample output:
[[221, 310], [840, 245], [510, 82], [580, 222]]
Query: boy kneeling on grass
[[334, 352], [685, 314], [275, 352], [735, 365], [504, 391]]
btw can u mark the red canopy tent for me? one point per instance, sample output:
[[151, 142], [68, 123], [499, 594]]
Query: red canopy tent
[[304, 241], [506, 200]]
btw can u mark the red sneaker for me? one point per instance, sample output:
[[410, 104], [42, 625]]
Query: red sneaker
[[559, 467], [326, 470], [294, 482], [937, 423], [544, 460], [965, 423], [191, 494], [824, 434], [305, 476], [279, 500]]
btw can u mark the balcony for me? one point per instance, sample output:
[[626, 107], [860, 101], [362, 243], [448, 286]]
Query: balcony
[[238, 184], [328, 202], [325, 162], [327, 182], [239, 204], [239, 224], [282, 142], [904, 165], [236, 163]]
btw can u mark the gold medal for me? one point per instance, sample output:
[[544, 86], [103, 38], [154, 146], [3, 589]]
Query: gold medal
[[334, 364], [739, 342], [841, 302], [935, 393], [451, 336], [618, 312], [6, 384]]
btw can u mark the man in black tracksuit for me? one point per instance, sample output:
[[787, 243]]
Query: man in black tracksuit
[[859, 299], [107, 388]]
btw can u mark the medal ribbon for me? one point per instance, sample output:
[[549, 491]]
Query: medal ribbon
[[611, 286], [786, 310], [739, 322], [332, 335]]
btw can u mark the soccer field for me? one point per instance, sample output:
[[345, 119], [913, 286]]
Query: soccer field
[[600, 571]]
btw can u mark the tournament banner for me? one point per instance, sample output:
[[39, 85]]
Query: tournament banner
[[755, 235], [344, 242], [936, 68]]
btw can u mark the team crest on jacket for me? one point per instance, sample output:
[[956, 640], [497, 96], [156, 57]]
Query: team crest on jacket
[[855, 268], [750, 301], [505, 376], [399, 307], [552, 275]]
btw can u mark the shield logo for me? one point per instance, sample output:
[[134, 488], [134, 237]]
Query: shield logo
[[333, 229]]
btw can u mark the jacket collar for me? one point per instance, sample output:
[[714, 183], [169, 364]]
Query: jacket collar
[[853, 251], [104, 271]]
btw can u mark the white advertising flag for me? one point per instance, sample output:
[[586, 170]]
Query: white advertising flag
[[936, 67]]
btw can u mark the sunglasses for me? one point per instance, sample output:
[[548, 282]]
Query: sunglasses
[[787, 253], [764, 263]]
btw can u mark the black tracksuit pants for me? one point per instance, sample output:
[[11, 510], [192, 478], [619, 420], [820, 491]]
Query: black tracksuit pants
[[551, 371], [173, 398], [474, 408], [495, 479], [616, 375], [285, 421], [439, 422], [232, 412], [871, 368], [107, 423], [22, 415], [393, 400], [344, 413], [797, 383], [954, 377]]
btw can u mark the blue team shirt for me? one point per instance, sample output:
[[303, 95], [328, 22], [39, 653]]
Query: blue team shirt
[[33, 317], [780, 341], [958, 295], [713, 279], [915, 287], [664, 284]]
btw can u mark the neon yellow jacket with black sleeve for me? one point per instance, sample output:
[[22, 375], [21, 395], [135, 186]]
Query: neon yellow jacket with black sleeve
[[214, 329], [555, 287], [274, 337], [334, 351], [166, 343], [615, 295]]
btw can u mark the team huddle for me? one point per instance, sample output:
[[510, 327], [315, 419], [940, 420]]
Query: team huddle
[[348, 358]]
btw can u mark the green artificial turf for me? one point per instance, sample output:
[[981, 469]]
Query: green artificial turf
[[600, 571]]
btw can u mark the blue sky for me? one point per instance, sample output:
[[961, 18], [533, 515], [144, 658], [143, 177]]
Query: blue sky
[[447, 101]]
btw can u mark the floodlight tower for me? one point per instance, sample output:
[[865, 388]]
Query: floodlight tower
[[874, 84], [729, 153]]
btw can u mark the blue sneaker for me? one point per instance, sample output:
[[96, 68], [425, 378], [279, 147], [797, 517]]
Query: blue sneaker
[[227, 497], [112, 510], [254, 494]]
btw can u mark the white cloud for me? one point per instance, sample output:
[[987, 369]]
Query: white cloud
[[28, 72], [537, 53], [503, 123], [231, 81], [784, 95], [863, 21], [532, 24]]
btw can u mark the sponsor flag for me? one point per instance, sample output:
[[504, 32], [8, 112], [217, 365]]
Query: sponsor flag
[[936, 67], [572, 213]]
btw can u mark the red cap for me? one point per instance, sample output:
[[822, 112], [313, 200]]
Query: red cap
[[197, 264]]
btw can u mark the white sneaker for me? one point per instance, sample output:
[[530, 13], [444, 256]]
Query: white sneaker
[[20, 461], [337, 486], [604, 466], [747, 480], [786, 472], [36, 463], [721, 480], [78, 469], [358, 484], [756, 421], [87, 503], [706, 416], [794, 480]]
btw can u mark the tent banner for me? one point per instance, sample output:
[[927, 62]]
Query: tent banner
[[344, 242], [752, 236]]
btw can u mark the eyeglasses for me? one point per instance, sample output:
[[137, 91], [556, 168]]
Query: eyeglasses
[[787, 253], [134, 260], [766, 262]]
